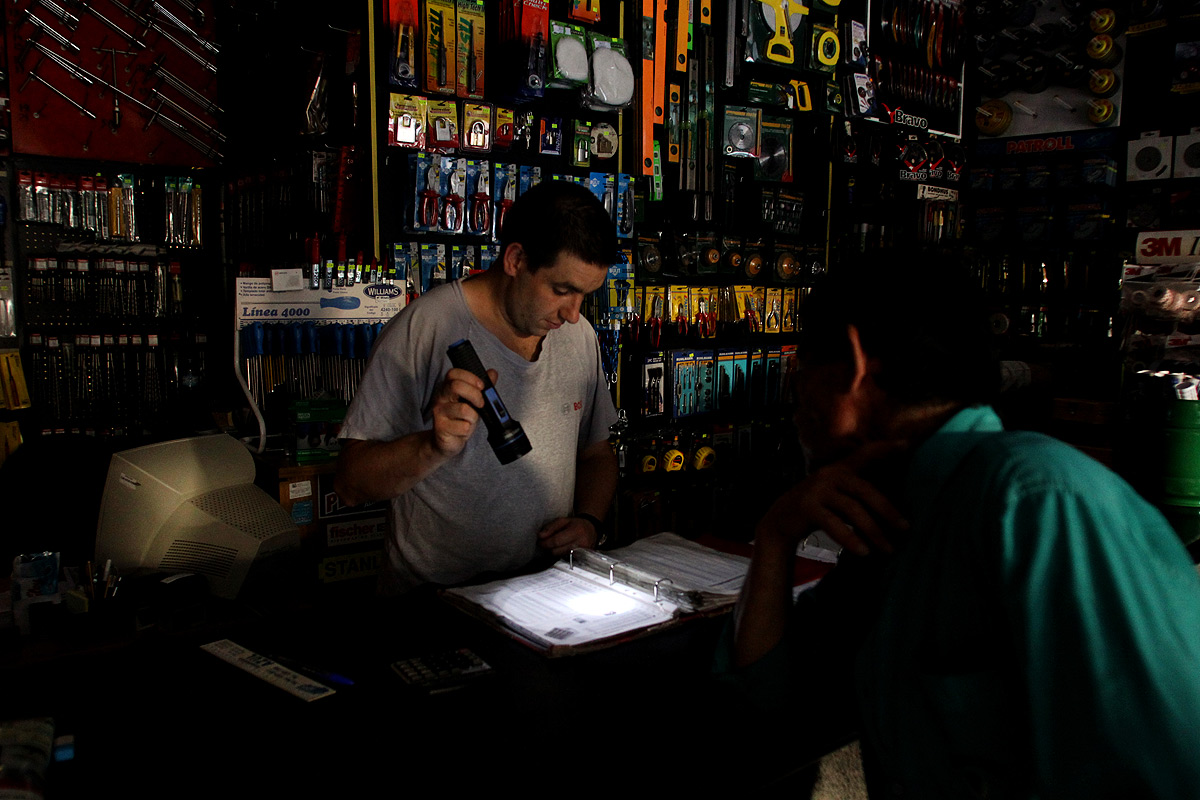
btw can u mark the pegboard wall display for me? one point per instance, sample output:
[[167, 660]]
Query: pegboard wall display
[[1048, 67], [917, 55], [109, 80]]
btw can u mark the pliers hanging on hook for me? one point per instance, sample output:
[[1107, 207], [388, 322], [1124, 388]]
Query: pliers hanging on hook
[[656, 322], [506, 202], [452, 216], [427, 212], [704, 319], [481, 204]]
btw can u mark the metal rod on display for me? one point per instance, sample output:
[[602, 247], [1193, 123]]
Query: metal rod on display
[[114, 27], [63, 95], [148, 23], [47, 29], [206, 105], [156, 115], [209, 130], [178, 23]]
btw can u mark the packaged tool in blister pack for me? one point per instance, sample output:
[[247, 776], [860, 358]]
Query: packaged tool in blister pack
[[774, 388], [434, 269], [794, 95], [581, 144], [626, 205], [524, 135], [504, 128], [587, 11], [684, 383], [610, 76], [525, 39], [653, 384], [776, 31], [471, 49], [604, 187], [741, 131], [756, 377], [440, 46], [703, 311], [488, 254], [706, 381], [788, 321], [400, 269], [860, 95], [620, 291], [774, 159], [550, 136], [747, 308], [568, 56], [452, 218], [774, 319], [477, 127], [825, 48], [426, 173], [789, 364], [727, 375], [782, 210], [479, 201], [505, 190], [462, 260], [442, 135], [604, 141], [834, 99], [854, 44], [530, 176], [616, 193], [403, 22], [654, 314], [679, 303], [406, 121]]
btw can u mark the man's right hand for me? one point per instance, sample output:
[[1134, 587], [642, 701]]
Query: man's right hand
[[837, 499], [455, 410]]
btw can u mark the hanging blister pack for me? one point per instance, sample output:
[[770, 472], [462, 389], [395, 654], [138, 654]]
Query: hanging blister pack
[[569, 56], [611, 82]]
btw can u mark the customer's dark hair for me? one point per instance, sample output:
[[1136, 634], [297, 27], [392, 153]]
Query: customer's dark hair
[[926, 324], [560, 216]]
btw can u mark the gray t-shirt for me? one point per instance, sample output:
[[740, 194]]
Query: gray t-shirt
[[473, 514]]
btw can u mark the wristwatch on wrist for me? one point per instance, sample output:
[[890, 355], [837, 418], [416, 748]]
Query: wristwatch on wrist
[[601, 535]]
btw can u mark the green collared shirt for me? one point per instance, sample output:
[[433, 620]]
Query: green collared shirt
[[1037, 634]]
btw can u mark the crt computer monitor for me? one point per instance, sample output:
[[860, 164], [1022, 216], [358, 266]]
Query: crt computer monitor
[[190, 505]]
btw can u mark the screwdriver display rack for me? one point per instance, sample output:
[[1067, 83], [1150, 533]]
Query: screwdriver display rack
[[112, 299]]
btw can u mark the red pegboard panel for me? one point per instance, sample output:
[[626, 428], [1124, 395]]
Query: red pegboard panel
[[63, 55]]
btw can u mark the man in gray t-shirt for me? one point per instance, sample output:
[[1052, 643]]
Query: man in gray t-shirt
[[410, 435]]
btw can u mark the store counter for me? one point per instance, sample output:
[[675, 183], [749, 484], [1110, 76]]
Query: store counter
[[156, 715]]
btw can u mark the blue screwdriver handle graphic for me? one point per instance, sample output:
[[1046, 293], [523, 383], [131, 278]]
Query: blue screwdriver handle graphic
[[344, 303]]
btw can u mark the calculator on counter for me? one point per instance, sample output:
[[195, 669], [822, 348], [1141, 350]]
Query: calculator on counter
[[445, 671]]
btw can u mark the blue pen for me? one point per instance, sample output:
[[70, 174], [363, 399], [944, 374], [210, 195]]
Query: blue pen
[[315, 672]]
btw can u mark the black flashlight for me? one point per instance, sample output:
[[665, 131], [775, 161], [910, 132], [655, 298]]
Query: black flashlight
[[505, 434]]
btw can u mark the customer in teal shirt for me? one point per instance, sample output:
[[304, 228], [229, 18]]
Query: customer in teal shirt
[[1010, 619]]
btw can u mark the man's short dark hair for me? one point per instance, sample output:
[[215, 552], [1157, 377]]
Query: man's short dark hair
[[927, 324], [560, 216]]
